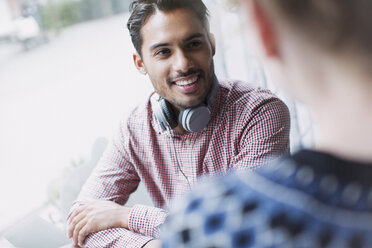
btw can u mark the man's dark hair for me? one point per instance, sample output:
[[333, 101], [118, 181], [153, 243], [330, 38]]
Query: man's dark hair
[[141, 10], [336, 24]]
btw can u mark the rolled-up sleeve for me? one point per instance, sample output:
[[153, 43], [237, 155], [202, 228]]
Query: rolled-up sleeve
[[146, 220]]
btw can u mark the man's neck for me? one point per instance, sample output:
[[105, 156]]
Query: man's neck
[[344, 120], [180, 129]]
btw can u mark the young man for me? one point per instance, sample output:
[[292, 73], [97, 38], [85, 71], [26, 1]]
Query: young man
[[193, 125], [315, 198]]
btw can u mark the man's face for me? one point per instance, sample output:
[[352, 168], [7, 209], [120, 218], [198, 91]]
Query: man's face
[[177, 53]]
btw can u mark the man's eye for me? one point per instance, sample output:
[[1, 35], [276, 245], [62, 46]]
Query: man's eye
[[194, 44], [162, 52]]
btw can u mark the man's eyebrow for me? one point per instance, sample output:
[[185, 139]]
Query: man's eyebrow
[[197, 35], [153, 47]]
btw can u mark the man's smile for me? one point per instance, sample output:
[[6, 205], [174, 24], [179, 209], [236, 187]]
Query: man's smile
[[189, 84], [184, 81]]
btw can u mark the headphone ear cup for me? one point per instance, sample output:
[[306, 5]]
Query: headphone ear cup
[[168, 112], [194, 119]]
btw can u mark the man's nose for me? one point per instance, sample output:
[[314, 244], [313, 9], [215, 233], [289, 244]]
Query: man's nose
[[182, 63]]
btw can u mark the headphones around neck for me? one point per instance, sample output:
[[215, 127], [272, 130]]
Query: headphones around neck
[[192, 119]]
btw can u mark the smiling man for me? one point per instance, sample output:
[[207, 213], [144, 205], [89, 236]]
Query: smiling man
[[192, 125]]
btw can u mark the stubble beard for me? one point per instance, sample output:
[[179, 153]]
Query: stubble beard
[[196, 102], [182, 105]]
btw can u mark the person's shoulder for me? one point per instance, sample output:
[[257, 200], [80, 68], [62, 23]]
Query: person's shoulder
[[245, 101], [245, 95]]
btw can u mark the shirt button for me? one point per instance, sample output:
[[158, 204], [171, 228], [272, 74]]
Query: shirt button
[[142, 230], [187, 142]]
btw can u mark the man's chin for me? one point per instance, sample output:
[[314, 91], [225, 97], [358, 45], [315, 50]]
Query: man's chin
[[190, 104]]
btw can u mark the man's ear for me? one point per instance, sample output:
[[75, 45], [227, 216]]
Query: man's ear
[[138, 62], [265, 29], [213, 43]]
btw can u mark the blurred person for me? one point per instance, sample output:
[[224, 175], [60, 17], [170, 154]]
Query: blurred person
[[321, 50], [192, 125]]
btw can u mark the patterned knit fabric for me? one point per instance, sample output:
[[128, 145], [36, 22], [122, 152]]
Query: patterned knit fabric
[[248, 127], [309, 200]]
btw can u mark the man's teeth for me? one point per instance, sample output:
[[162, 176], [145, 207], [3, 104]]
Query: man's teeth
[[187, 82]]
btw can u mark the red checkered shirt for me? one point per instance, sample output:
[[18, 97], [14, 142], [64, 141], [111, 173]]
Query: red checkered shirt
[[248, 127]]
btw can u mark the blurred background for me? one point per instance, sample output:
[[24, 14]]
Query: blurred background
[[66, 80]]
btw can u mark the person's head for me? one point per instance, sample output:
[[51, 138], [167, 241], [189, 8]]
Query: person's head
[[174, 47], [311, 38]]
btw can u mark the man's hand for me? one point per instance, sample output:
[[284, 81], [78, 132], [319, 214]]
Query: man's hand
[[94, 216]]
